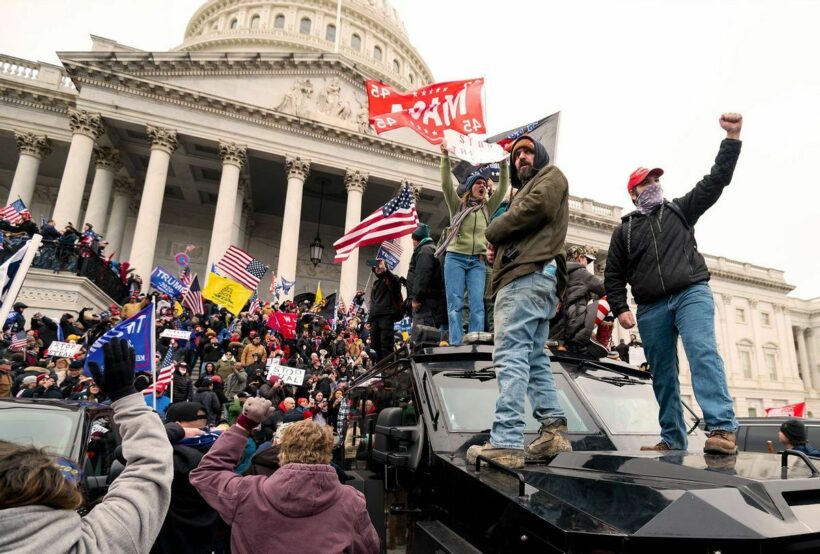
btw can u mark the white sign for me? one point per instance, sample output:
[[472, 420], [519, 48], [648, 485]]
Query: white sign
[[176, 334], [63, 349], [636, 355], [288, 375], [473, 150]]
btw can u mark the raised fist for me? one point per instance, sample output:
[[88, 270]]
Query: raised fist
[[731, 123], [443, 147], [256, 409]]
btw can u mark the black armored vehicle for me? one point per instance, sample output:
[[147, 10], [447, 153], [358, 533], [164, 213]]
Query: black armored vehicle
[[415, 415]]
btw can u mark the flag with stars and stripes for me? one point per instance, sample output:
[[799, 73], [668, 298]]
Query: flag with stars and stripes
[[242, 267], [165, 374], [13, 212], [393, 220], [18, 341], [192, 298], [390, 251], [255, 304], [185, 276]]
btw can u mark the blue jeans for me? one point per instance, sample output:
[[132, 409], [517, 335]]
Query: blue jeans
[[689, 314], [523, 310], [462, 271]]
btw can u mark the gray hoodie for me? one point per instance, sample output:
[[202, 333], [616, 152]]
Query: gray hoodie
[[131, 514]]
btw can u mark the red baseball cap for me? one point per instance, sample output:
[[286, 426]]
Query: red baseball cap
[[637, 176]]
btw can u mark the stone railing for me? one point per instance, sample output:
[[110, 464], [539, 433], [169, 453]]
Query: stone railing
[[42, 74], [592, 207]]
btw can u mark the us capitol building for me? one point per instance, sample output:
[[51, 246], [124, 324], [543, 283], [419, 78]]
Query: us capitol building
[[254, 132]]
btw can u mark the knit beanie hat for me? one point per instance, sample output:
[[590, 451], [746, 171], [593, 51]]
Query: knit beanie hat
[[422, 232], [184, 411], [795, 431]]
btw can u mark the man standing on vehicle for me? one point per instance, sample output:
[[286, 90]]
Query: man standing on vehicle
[[383, 307], [529, 270], [654, 250]]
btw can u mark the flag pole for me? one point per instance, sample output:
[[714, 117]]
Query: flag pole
[[338, 26], [17, 283], [153, 350]]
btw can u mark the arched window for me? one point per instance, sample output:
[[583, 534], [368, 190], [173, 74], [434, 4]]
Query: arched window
[[330, 33], [377, 53], [304, 26], [255, 22], [396, 66], [356, 42], [234, 23], [279, 22]]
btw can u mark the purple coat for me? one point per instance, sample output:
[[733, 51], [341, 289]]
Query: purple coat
[[278, 513]]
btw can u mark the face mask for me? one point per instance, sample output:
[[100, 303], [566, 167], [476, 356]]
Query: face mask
[[650, 198]]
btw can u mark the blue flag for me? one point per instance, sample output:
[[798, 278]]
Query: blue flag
[[138, 331], [166, 283]]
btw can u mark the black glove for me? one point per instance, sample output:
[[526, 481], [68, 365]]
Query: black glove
[[119, 361]]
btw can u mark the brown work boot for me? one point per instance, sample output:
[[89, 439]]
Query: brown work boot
[[510, 457], [552, 440], [660, 447], [721, 442]]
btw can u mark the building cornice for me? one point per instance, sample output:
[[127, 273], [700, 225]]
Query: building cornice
[[96, 70], [779, 286]]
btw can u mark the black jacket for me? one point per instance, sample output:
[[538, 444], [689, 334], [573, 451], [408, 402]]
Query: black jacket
[[381, 296], [424, 279], [210, 400], [657, 253]]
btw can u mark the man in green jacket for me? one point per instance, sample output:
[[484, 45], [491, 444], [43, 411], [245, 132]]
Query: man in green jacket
[[529, 269]]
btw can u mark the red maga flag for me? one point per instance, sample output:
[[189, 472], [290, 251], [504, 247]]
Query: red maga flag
[[395, 219], [789, 410], [284, 323], [429, 110]]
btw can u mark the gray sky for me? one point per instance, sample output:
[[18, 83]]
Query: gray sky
[[638, 82]]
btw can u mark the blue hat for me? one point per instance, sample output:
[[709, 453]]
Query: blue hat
[[468, 184]]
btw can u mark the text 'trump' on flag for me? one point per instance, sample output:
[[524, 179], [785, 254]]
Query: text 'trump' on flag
[[395, 219]]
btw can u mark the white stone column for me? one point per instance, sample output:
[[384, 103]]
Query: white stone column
[[233, 157], [297, 171], [124, 191], [406, 242], [811, 351], [762, 370], [107, 165], [785, 340], [239, 212], [87, 128], [355, 183], [730, 350], [143, 247], [32, 148], [805, 369]]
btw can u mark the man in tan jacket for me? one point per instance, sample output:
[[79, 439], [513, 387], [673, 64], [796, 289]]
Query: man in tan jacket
[[529, 270], [255, 347]]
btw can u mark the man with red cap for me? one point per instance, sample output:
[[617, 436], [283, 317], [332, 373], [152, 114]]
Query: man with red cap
[[655, 252]]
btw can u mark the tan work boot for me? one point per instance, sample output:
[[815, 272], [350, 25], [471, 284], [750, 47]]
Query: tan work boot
[[552, 440], [660, 447], [510, 457], [721, 442]]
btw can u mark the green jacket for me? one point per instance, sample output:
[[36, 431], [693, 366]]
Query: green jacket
[[536, 224], [470, 240]]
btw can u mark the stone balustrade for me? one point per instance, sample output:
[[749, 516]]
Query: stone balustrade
[[43, 74], [591, 207]]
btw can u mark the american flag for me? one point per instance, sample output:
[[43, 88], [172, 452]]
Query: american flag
[[242, 267], [13, 212], [185, 276], [19, 341], [255, 304], [395, 219], [165, 374], [192, 298], [273, 288]]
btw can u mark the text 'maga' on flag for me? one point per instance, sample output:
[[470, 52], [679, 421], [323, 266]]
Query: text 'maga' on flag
[[242, 267], [544, 130], [13, 212], [393, 220], [192, 298], [456, 105], [390, 251]]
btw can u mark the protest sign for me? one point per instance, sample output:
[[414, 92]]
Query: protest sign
[[63, 349], [429, 110], [166, 283], [473, 150], [289, 375], [176, 334], [138, 331]]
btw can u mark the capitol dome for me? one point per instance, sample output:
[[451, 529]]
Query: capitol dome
[[372, 34]]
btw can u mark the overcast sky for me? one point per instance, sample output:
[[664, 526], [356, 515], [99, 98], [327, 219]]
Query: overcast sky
[[638, 82]]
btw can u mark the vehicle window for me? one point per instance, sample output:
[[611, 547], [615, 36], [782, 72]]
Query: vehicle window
[[101, 445], [625, 405], [758, 435], [392, 389], [49, 429], [469, 403]]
